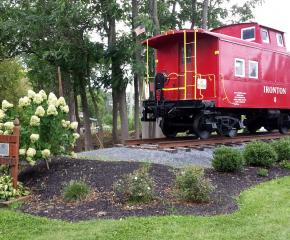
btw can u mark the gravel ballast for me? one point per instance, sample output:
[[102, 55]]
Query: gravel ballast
[[177, 160]]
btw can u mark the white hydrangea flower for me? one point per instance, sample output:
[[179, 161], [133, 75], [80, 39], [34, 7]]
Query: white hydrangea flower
[[1, 132], [73, 155], [52, 99], [65, 123], [38, 98], [43, 94], [31, 94], [40, 112], [34, 137], [76, 136], [34, 121], [64, 108], [24, 101], [9, 125], [6, 105], [61, 101], [62, 148], [51, 110], [45, 153], [7, 132], [2, 114], [22, 151], [30, 161], [74, 125], [31, 152]]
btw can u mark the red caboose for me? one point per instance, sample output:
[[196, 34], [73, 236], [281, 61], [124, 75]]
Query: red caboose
[[206, 80]]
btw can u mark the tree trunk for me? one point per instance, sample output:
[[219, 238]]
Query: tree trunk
[[123, 115], [137, 77], [153, 11], [86, 114], [97, 112], [173, 15], [115, 116], [204, 14], [193, 13]]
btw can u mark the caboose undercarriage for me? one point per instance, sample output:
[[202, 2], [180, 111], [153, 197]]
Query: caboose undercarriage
[[201, 118]]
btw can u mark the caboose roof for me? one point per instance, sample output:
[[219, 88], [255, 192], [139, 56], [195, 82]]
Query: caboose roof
[[159, 40], [247, 23]]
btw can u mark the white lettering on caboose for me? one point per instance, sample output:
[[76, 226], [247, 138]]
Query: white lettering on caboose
[[275, 90]]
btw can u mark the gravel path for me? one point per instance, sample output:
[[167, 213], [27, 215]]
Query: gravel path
[[179, 159]]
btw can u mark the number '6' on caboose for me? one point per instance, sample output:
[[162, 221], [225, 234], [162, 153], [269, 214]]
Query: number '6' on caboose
[[207, 80]]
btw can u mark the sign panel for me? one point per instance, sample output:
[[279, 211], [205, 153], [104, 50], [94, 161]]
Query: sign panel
[[201, 83], [4, 149]]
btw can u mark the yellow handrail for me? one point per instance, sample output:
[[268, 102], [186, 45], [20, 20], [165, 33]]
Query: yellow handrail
[[185, 63]]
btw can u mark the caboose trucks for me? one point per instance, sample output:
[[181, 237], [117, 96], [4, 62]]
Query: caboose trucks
[[207, 80]]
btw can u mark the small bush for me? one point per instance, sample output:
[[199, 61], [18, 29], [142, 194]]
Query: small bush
[[260, 154], [227, 159], [282, 148], [285, 164], [76, 190], [136, 187], [262, 172], [7, 192], [191, 185]]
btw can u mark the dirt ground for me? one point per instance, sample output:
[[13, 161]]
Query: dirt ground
[[47, 190]]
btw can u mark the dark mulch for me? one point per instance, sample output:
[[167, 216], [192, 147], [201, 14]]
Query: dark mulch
[[47, 186]]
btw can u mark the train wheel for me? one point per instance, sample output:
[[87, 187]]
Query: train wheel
[[167, 130], [199, 127], [283, 123]]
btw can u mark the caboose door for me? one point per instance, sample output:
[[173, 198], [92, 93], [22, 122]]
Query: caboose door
[[186, 72]]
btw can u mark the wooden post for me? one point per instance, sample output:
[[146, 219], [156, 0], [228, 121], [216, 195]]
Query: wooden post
[[15, 167], [12, 160]]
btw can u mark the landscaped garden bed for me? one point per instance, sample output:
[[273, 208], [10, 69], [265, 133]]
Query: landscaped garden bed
[[47, 188]]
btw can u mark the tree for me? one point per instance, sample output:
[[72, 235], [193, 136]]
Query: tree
[[54, 32], [13, 82], [204, 14]]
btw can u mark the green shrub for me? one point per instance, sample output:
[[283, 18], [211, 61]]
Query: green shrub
[[76, 190], [262, 172], [226, 159], [44, 130], [285, 164], [136, 187], [260, 154], [191, 185], [7, 192], [282, 148]]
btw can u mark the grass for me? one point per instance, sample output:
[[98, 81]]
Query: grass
[[264, 215]]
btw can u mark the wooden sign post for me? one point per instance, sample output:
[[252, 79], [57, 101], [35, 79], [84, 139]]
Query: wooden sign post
[[9, 151]]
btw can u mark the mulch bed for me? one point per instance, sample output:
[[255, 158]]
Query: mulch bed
[[47, 185]]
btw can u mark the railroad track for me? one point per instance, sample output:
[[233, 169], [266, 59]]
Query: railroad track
[[188, 143]]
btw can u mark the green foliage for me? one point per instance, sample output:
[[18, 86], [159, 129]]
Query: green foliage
[[226, 159], [191, 185], [44, 129], [285, 164], [76, 190], [262, 172], [12, 80], [7, 192], [136, 186], [260, 154], [282, 148]]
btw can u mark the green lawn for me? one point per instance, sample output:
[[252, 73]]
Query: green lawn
[[264, 214]]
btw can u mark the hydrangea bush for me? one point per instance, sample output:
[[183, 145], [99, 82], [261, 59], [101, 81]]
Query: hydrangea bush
[[45, 130]]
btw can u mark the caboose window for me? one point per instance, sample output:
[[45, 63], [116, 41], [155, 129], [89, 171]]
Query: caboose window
[[239, 67], [253, 69], [265, 36], [188, 54], [248, 34], [280, 40]]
